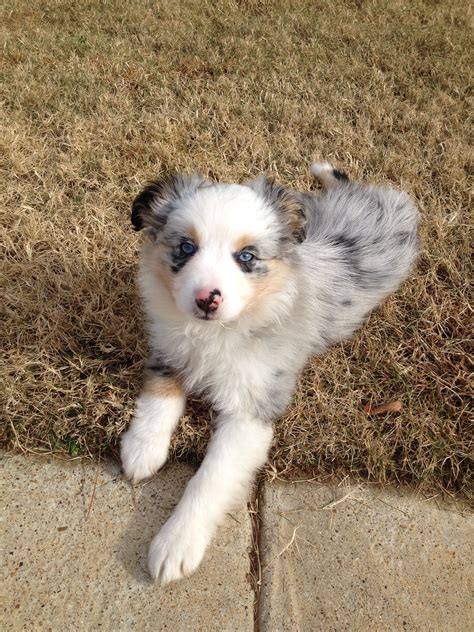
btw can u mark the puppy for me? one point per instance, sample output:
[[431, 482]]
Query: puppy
[[241, 285]]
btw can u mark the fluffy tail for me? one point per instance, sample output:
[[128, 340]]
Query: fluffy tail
[[327, 175]]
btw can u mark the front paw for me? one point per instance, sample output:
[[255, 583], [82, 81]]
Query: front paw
[[142, 454], [177, 550]]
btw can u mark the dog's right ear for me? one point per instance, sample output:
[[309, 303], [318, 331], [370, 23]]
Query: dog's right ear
[[152, 206], [287, 204]]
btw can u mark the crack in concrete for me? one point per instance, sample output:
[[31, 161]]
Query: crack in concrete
[[255, 574]]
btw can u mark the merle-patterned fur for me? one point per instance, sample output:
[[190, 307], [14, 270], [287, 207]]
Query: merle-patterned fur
[[152, 205], [287, 204], [159, 367], [339, 253]]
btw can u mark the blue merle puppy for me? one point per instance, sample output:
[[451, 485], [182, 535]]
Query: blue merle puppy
[[241, 284]]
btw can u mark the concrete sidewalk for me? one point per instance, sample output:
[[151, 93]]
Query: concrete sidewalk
[[75, 537], [362, 558]]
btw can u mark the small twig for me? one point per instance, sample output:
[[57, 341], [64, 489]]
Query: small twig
[[234, 518], [389, 407], [289, 511], [284, 549], [94, 489], [393, 507], [423, 500], [333, 503], [287, 546], [299, 537], [18, 444]]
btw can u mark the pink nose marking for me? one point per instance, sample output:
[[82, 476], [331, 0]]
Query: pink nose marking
[[208, 300]]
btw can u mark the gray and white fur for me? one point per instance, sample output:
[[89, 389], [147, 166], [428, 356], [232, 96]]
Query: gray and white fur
[[241, 285]]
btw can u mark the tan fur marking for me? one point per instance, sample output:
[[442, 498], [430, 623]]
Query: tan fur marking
[[243, 242], [291, 213], [162, 386], [272, 283], [163, 272], [195, 236], [164, 275]]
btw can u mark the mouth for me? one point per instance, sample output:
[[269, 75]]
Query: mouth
[[208, 316]]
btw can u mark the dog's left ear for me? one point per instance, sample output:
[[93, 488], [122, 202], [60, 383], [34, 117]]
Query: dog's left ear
[[287, 204], [152, 206]]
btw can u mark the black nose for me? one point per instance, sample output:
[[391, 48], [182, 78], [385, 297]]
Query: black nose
[[209, 303]]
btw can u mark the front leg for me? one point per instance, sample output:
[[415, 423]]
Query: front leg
[[144, 447], [238, 448]]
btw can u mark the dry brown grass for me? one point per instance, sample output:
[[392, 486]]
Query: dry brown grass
[[100, 96]]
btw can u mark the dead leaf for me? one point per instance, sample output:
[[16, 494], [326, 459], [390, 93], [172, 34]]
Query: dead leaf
[[389, 407]]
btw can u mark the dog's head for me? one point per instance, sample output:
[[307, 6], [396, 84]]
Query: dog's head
[[220, 249]]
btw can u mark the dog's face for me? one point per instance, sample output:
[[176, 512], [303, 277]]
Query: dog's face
[[221, 249]]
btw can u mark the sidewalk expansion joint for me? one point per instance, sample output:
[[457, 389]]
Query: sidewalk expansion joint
[[255, 573]]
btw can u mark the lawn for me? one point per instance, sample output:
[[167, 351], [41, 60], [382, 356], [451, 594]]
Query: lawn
[[99, 96]]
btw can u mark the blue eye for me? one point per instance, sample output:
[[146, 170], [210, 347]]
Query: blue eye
[[187, 248], [245, 256]]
